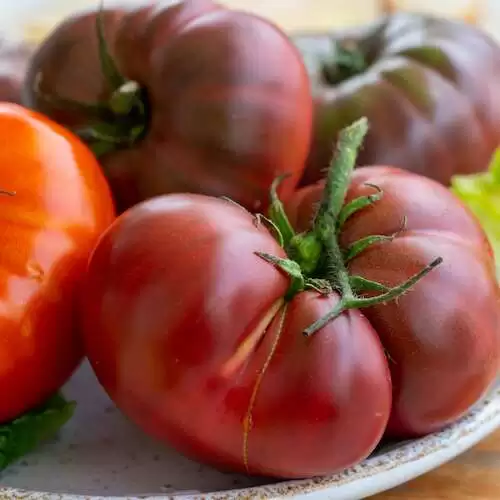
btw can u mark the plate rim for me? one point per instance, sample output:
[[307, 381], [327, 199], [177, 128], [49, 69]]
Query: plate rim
[[391, 467]]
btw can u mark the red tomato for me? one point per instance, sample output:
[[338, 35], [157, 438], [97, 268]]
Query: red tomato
[[200, 341], [57, 206], [443, 337], [220, 101], [428, 85], [209, 358]]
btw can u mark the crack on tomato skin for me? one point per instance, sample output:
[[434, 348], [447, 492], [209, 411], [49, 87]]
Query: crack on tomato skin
[[250, 343], [248, 419]]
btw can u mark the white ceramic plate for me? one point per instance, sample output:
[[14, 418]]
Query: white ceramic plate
[[100, 454]]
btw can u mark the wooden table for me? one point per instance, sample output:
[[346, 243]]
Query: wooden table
[[475, 475]]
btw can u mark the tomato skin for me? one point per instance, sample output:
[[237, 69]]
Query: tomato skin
[[331, 392], [228, 98], [61, 205], [153, 247], [443, 336], [184, 269], [429, 90]]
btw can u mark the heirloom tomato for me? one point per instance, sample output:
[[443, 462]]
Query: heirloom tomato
[[183, 97], [442, 338], [55, 203], [239, 339], [429, 86]]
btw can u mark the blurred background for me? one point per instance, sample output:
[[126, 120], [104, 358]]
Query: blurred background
[[35, 17]]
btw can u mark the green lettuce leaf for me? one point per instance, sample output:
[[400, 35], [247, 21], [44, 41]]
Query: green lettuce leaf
[[23, 434], [481, 193]]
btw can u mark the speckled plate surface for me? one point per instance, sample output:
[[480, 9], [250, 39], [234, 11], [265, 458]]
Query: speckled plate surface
[[101, 454]]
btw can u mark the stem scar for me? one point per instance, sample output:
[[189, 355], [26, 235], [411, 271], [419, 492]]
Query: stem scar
[[248, 420]]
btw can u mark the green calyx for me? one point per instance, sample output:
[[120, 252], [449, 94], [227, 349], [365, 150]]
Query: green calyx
[[346, 60], [116, 123], [316, 259]]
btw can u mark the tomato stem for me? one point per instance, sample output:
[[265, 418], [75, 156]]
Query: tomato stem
[[277, 213], [325, 224], [291, 268], [307, 250], [362, 302], [108, 67], [316, 258], [124, 98], [298, 282], [361, 245], [360, 285], [259, 218], [126, 105], [339, 177], [358, 204]]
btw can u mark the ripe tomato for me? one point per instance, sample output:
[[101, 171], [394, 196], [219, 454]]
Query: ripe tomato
[[203, 99], [211, 355], [428, 85], [209, 358], [443, 337], [54, 206]]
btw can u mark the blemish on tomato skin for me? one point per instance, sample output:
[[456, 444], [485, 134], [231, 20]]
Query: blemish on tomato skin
[[35, 271], [247, 427], [26, 328], [247, 422], [249, 344]]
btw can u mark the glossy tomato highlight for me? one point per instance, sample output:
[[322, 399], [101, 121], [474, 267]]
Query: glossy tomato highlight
[[55, 203]]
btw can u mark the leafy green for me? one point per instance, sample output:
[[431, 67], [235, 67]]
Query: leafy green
[[23, 434], [481, 193]]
